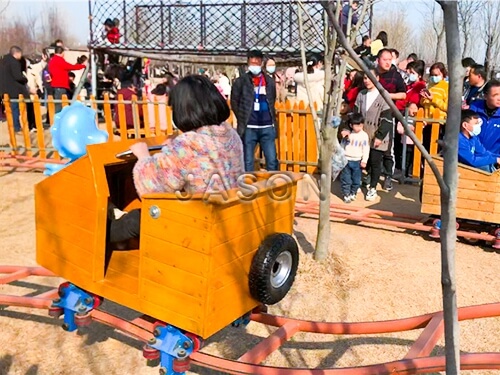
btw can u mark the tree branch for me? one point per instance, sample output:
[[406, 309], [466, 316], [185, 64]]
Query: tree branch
[[306, 79], [385, 95]]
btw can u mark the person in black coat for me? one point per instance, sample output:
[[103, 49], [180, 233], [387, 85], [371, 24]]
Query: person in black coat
[[253, 97], [13, 82]]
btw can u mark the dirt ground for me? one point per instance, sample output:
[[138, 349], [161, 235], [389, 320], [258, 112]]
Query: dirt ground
[[373, 274]]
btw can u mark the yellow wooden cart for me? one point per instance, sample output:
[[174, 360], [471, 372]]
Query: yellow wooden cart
[[478, 199], [200, 263]]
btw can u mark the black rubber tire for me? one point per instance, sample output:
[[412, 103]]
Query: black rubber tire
[[263, 263]]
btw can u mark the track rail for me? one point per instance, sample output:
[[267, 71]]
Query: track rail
[[416, 361], [361, 215]]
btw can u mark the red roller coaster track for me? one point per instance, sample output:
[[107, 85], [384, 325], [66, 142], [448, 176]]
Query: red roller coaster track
[[416, 361]]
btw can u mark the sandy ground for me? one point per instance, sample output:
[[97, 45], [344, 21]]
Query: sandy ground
[[372, 274]]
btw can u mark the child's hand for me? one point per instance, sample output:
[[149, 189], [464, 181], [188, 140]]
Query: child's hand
[[376, 142], [140, 150], [345, 133], [363, 165]]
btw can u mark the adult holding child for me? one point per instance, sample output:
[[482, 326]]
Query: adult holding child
[[378, 125]]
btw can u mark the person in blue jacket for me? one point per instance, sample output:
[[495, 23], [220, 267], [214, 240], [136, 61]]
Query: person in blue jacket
[[470, 149], [488, 110]]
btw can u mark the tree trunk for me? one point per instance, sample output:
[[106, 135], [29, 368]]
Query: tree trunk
[[487, 59], [328, 138], [449, 195]]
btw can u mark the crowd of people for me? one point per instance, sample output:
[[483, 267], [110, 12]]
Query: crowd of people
[[44, 75], [411, 84], [371, 138]]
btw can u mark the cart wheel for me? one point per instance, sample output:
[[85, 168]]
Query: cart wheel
[[273, 268], [83, 320], [197, 341], [56, 312]]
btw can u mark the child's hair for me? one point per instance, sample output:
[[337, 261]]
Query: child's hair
[[196, 102], [468, 115], [72, 75], [109, 22], [355, 119]]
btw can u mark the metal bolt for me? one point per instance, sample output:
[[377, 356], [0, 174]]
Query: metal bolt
[[155, 212], [65, 326], [186, 344], [152, 340], [82, 308], [156, 332], [163, 371], [88, 300], [181, 353], [57, 300]]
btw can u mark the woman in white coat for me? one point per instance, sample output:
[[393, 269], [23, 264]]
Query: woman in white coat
[[316, 79]]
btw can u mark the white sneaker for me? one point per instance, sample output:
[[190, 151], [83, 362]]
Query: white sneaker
[[118, 213], [33, 130], [371, 195], [352, 197], [347, 199]]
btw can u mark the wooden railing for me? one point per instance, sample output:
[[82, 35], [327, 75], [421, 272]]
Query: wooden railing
[[296, 143]]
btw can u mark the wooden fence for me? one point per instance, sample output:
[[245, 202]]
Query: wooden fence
[[296, 144]]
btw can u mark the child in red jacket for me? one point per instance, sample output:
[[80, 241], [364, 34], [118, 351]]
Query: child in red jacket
[[111, 30]]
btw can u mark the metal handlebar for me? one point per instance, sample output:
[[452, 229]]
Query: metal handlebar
[[128, 155]]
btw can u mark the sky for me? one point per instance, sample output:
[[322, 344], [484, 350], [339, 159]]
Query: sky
[[75, 12]]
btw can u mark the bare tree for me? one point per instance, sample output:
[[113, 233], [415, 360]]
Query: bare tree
[[467, 10], [4, 4], [400, 32], [326, 126], [53, 27], [448, 181], [491, 32], [434, 13]]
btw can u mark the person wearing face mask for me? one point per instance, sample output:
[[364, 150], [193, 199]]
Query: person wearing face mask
[[489, 111], [316, 79], [470, 149], [415, 71], [279, 79], [437, 94], [253, 98]]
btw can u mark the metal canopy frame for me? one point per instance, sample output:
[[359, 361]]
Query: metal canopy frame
[[205, 28]]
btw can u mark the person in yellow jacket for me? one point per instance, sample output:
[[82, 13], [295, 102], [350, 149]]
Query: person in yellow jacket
[[437, 94]]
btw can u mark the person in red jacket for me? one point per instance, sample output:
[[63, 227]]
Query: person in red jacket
[[111, 30], [415, 70], [356, 85], [59, 72]]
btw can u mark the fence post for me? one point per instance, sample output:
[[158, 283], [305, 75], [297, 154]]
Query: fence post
[[436, 126], [24, 125], [297, 119], [51, 110], [281, 146], [157, 116], [145, 117], [170, 122], [311, 146], [108, 116], [122, 119], [136, 117], [10, 123], [39, 127], [417, 155]]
